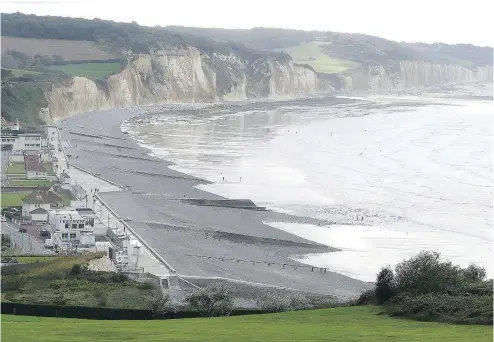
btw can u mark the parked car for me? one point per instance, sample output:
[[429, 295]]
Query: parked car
[[44, 232], [22, 230]]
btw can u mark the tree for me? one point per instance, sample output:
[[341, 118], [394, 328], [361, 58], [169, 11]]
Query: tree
[[385, 288], [425, 273], [474, 273]]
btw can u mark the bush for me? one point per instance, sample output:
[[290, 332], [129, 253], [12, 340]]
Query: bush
[[213, 300], [443, 308], [147, 285], [425, 273], [274, 302], [162, 306], [474, 273], [367, 297], [12, 283], [384, 285], [118, 277], [75, 270]]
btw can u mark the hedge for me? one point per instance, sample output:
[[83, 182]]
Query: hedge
[[42, 310]]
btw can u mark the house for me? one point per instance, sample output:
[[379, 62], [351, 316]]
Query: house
[[69, 228], [45, 200], [39, 215], [34, 168]]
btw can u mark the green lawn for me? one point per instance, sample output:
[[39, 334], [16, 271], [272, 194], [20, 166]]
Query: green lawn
[[20, 72], [30, 182], [31, 259], [340, 324], [13, 199], [16, 168], [94, 71], [310, 53]]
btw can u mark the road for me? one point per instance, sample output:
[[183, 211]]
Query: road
[[5, 163], [25, 241]]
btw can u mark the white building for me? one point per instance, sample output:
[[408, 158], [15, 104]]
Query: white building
[[19, 143], [45, 200], [69, 228]]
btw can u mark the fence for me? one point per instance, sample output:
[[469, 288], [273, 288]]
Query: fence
[[42, 310]]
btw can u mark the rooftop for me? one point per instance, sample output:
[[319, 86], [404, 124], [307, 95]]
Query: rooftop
[[38, 211], [33, 164]]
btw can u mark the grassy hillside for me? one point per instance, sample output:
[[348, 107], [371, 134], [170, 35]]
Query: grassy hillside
[[340, 324], [356, 47], [94, 71], [69, 50], [57, 281], [312, 53]]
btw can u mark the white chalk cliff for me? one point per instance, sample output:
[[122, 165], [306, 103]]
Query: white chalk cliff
[[410, 74], [183, 75]]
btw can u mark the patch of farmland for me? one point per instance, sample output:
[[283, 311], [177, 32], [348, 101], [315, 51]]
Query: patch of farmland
[[70, 50]]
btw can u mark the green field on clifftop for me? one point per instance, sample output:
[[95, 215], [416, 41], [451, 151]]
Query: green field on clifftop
[[94, 71], [311, 53], [340, 324]]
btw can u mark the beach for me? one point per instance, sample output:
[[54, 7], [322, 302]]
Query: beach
[[199, 242]]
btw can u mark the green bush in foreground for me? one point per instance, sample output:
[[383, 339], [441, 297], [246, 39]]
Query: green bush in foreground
[[428, 289]]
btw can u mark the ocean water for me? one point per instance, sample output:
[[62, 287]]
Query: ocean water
[[396, 175]]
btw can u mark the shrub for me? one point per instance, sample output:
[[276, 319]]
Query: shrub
[[11, 283], [213, 300], [474, 273], [367, 297], [425, 273], [147, 285], [443, 308], [75, 270], [118, 277], [162, 306], [384, 285], [274, 302]]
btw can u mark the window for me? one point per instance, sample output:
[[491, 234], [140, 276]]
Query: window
[[81, 225], [74, 225], [64, 236], [72, 235], [66, 225]]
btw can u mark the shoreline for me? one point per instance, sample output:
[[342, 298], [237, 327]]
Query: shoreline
[[154, 209]]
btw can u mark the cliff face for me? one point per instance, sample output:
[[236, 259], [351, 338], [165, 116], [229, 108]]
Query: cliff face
[[408, 74], [183, 75]]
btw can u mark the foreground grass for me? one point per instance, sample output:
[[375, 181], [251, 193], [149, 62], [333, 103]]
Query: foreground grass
[[12, 199], [94, 71], [310, 53], [339, 324]]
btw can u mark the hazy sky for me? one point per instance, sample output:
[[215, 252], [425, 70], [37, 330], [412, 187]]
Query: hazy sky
[[413, 20]]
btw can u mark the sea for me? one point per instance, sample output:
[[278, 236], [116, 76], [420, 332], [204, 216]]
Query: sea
[[390, 175]]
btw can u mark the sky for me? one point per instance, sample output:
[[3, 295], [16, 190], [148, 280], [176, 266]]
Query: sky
[[427, 21]]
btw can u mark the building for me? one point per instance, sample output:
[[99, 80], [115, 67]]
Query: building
[[34, 168], [70, 229], [45, 200], [20, 142]]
